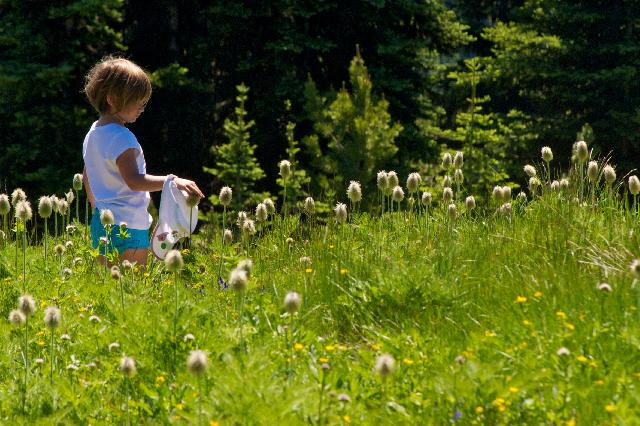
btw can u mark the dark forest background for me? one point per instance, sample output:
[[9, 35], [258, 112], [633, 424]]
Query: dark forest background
[[496, 79]]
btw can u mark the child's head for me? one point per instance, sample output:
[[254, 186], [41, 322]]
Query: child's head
[[115, 84]]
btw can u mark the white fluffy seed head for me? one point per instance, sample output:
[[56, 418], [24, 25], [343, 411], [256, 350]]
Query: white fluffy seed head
[[563, 352], [397, 194], [452, 211], [192, 200], [127, 366], [385, 364], [52, 317], [173, 261], [227, 236], [605, 288], [77, 182], [106, 217], [555, 186], [226, 194], [261, 212], [354, 191], [285, 169], [530, 170], [5, 206], [447, 195], [292, 302], [413, 182], [581, 151], [382, 180], [497, 194], [309, 206], [522, 197], [249, 227], [609, 174], [446, 181], [592, 171], [426, 198], [470, 202], [635, 267], [23, 211], [59, 249], [69, 196], [45, 207], [242, 217], [505, 209], [271, 208], [534, 183], [447, 160], [547, 154], [393, 180], [305, 260], [564, 184], [238, 279], [458, 176], [634, 185], [115, 272], [506, 194], [26, 304], [197, 362], [458, 160], [246, 265], [16, 317], [17, 195], [340, 211], [55, 203], [63, 207]]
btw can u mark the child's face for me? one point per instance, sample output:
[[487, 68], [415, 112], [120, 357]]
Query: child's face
[[131, 112]]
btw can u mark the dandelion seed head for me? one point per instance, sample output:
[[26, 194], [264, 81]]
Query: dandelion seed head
[[497, 194], [17, 195], [534, 183], [452, 211], [58, 249], [127, 265], [582, 151], [242, 217], [609, 174], [398, 194], [261, 212], [634, 185], [547, 154], [446, 181], [16, 317], [460, 359], [530, 170], [426, 198], [385, 364], [354, 191], [564, 184], [226, 194], [45, 207], [70, 197], [309, 206], [26, 304], [268, 203], [106, 217], [447, 160], [5, 206], [173, 261], [458, 176], [52, 317], [292, 302], [238, 279], [563, 352], [197, 362], [68, 245], [115, 272], [305, 260], [340, 211], [23, 211], [227, 236], [382, 180], [77, 182], [63, 207], [393, 180], [506, 194], [505, 209], [285, 169], [413, 182], [592, 171], [188, 337], [249, 227], [127, 366], [458, 160], [55, 204], [447, 195], [470, 202]]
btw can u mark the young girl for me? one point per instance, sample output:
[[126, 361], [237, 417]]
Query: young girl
[[115, 174]]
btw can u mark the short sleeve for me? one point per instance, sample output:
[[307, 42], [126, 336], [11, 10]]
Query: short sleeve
[[121, 142]]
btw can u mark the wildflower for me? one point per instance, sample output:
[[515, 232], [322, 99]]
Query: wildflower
[[530, 170], [609, 174], [23, 211], [197, 362], [309, 206], [505, 209], [513, 389], [385, 364], [126, 265], [458, 176], [242, 217], [45, 207], [537, 294], [102, 241], [340, 213], [5, 207], [285, 169], [323, 359], [106, 217], [227, 236], [582, 151], [173, 261], [635, 267], [605, 288], [382, 180], [522, 197], [95, 318], [52, 317], [292, 302], [569, 326], [192, 200], [610, 408], [127, 366], [413, 182], [17, 195], [521, 299], [547, 154], [71, 229], [66, 272], [534, 183], [308, 270], [115, 272], [452, 211], [581, 358], [72, 367], [26, 304], [70, 197], [305, 260], [393, 180], [555, 186], [634, 185], [561, 314], [188, 337], [63, 206], [592, 171], [225, 196], [238, 279], [460, 359], [446, 160], [398, 194], [298, 347], [39, 361], [16, 317], [458, 160], [497, 194], [262, 212], [343, 397], [564, 184], [447, 195], [506, 194], [246, 265], [249, 227], [77, 182], [479, 409], [114, 345], [426, 198], [446, 181], [65, 337], [354, 192], [470, 202]]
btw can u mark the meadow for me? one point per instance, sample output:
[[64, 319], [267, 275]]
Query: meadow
[[522, 309]]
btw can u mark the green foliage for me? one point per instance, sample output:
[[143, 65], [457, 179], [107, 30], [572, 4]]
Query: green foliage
[[355, 134], [297, 184], [237, 166]]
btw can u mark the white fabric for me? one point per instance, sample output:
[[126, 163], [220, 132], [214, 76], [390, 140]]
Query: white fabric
[[174, 219], [100, 150]]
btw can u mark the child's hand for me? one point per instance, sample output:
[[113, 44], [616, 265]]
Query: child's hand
[[189, 186]]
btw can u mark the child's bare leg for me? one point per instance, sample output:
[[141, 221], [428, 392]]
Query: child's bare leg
[[136, 255]]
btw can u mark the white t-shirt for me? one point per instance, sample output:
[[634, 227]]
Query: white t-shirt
[[100, 150]]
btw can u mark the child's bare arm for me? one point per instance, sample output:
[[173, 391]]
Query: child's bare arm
[[144, 182], [87, 187]]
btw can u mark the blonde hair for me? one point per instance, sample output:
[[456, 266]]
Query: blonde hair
[[120, 81]]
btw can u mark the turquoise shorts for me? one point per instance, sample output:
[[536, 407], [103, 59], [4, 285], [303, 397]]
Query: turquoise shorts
[[135, 238]]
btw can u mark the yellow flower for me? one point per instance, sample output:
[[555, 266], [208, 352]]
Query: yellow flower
[[498, 401], [610, 408], [582, 358], [308, 270], [180, 406], [569, 326], [489, 333], [146, 275], [526, 322], [185, 252], [40, 333], [599, 382], [479, 409], [375, 346], [160, 379], [408, 361], [561, 314], [330, 348], [343, 271], [323, 359], [346, 418], [571, 422], [214, 423], [537, 294], [330, 245], [513, 389], [82, 309], [43, 304], [501, 408], [298, 347], [521, 299], [41, 343], [593, 364]]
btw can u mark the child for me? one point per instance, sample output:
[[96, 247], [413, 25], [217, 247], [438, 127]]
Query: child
[[114, 168]]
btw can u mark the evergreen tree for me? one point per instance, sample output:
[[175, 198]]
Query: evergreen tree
[[236, 163]]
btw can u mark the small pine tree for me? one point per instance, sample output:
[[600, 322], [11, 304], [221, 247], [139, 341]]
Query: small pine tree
[[236, 162]]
